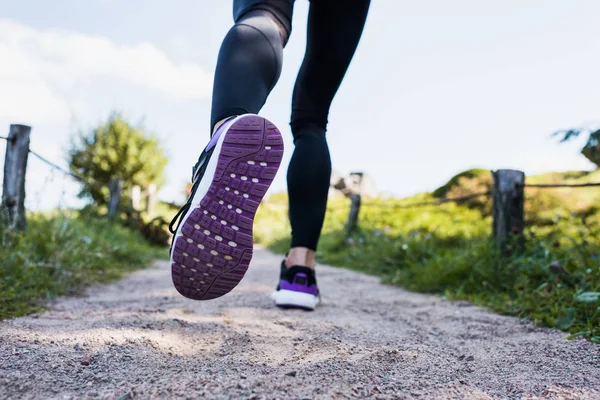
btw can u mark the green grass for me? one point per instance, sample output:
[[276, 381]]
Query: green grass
[[447, 250], [61, 254]]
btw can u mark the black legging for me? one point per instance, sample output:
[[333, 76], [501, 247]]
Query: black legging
[[248, 68]]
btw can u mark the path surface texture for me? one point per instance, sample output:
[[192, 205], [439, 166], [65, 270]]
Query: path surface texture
[[139, 339]]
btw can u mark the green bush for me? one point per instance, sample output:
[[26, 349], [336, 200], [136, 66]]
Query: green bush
[[116, 149]]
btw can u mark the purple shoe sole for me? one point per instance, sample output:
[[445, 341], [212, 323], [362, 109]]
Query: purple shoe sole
[[214, 250]]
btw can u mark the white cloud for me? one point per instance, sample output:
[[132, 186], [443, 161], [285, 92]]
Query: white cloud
[[40, 68], [58, 81]]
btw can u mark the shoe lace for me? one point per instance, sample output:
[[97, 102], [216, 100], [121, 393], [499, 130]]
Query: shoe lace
[[176, 221], [177, 218]]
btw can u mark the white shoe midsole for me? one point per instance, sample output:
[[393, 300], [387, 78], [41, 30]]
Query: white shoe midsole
[[208, 177], [292, 298]]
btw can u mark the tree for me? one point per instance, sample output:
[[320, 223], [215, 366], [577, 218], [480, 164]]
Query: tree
[[116, 149], [591, 150]]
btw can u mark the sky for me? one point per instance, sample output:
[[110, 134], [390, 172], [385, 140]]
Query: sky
[[435, 87]]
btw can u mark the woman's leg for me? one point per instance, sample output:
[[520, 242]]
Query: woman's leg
[[250, 57], [334, 30], [212, 244]]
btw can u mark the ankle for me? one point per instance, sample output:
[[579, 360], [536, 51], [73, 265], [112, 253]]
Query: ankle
[[301, 256], [218, 125]]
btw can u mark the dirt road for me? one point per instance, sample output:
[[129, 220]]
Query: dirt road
[[139, 339]]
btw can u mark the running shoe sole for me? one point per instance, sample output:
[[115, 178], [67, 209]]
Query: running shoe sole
[[214, 243]]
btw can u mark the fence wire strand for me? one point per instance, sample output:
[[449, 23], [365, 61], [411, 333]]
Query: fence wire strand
[[428, 203], [475, 195], [55, 166], [561, 185], [376, 205]]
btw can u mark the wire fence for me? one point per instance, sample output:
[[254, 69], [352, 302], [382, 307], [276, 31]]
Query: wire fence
[[13, 184], [131, 213], [437, 202], [54, 166], [57, 167], [462, 199], [507, 200], [113, 185], [515, 192], [562, 185]]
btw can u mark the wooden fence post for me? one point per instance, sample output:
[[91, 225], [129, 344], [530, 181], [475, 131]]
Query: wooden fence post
[[150, 198], [15, 165], [115, 187], [353, 215], [508, 205], [136, 197], [355, 182], [350, 187]]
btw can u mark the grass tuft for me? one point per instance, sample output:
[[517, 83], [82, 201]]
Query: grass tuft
[[62, 254]]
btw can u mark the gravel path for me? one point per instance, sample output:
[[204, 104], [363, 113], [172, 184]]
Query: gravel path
[[139, 339]]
